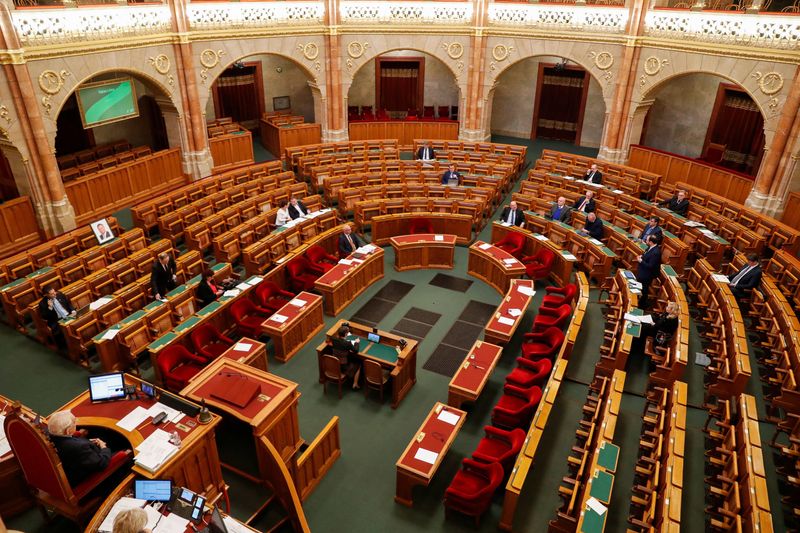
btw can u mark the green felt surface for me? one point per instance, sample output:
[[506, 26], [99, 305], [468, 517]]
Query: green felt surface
[[593, 522], [383, 352], [189, 323], [162, 341], [176, 291], [210, 308], [608, 455], [602, 484]]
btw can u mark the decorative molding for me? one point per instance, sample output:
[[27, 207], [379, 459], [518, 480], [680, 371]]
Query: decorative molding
[[559, 17], [247, 15], [500, 52], [769, 83], [356, 49], [653, 65], [310, 50], [455, 50], [423, 13], [4, 114], [209, 59], [603, 60], [51, 82], [162, 65]]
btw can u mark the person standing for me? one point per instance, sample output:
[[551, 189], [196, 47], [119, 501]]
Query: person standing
[[649, 267], [164, 276]]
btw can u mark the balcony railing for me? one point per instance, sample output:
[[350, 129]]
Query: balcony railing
[[559, 17], [441, 13], [240, 15]]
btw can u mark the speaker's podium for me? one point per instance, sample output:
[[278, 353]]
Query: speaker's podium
[[263, 401]]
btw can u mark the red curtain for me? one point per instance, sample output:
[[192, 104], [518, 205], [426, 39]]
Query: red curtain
[[739, 127], [399, 87], [560, 104], [238, 96]]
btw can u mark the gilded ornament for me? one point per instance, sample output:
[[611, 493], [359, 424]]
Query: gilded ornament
[[4, 114], [160, 63], [310, 51], [603, 60], [209, 58], [356, 49], [653, 65], [51, 81], [769, 83], [454, 50], [501, 52]]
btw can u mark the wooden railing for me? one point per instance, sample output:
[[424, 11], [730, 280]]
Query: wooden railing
[[18, 227], [283, 486], [318, 458], [231, 150], [404, 131]]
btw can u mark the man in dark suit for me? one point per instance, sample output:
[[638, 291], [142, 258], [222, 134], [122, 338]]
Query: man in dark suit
[[513, 216], [593, 175], [53, 307], [560, 210], [747, 279], [652, 228], [163, 276], [80, 457], [348, 241], [678, 204], [297, 208], [586, 202], [649, 267], [426, 152], [451, 174], [347, 353], [593, 227]]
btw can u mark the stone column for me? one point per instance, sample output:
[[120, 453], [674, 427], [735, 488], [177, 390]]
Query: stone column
[[334, 125], [53, 210], [472, 109]]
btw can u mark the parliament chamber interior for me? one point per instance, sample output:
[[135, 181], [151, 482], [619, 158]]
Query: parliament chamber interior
[[400, 265]]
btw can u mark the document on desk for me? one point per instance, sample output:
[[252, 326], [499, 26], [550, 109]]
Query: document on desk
[[123, 504], [173, 415], [130, 421], [633, 318], [541, 237], [234, 526], [722, 278], [595, 241], [485, 246], [5, 447], [569, 256], [110, 334], [426, 456], [255, 280], [280, 319], [100, 302], [646, 319], [595, 505], [171, 523], [448, 417], [524, 289], [346, 262], [514, 312], [233, 293], [297, 302], [242, 347], [510, 261], [243, 286], [155, 450], [438, 237], [506, 321]]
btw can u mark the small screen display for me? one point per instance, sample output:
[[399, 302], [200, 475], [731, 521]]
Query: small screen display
[[107, 387], [373, 337], [187, 495], [159, 490]]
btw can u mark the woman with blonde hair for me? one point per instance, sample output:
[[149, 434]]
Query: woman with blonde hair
[[664, 325], [131, 521]]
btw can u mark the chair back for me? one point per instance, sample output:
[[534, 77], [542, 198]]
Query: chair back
[[265, 290], [241, 308], [554, 336], [547, 257], [517, 239], [331, 367], [297, 267], [170, 357], [373, 372], [203, 335], [316, 253]]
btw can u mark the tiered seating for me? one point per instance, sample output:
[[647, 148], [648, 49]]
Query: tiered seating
[[628, 179], [145, 215], [351, 196], [724, 332], [737, 485], [294, 153], [366, 210], [519, 152], [786, 443], [305, 164], [658, 482], [670, 361], [460, 157], [223, 126], [92, 154], [76, 169], [785, 270], [779, 236], [618, 333], [588, 461]]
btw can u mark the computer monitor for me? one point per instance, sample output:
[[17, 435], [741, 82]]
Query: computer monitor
[[157, 490], [216, 525], [107, 387], [373, 337]]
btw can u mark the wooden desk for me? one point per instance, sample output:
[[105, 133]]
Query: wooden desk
[[302, 323], [249, 352], [198, 444], [493, 266], [385, 227], [273, 413], [405, 131], [401, 362], [470, 378], [14, 494], [344, 282], [498, 332], [434, 435], [423, 251], [277, 138]]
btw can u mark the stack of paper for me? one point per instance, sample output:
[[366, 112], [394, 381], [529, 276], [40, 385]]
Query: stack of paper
[[426, 456], [438, 237], [155, 450], [233, 293], [485, 246], [242, 347], [722, 278], [132, 420], [280, 319], [297, 302], [346, 262], [506, 321], [170, 523], [448, 417], [100, 302], [524, 289], [595, 505], [540, 237], [510, 261]]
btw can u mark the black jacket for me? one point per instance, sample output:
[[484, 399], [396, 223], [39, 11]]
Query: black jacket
[[597, 177], [589, 205], [650, 264], [161, 279], [344, 246], [421, 153], [205, 293], [679, 207], [519, 219], [80, 457], [299, 211], [49, 315], [594, 229]]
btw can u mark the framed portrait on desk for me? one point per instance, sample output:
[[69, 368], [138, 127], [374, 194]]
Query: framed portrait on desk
[[102, 231], [281, 103]]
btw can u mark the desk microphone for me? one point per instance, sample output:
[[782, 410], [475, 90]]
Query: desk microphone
[[229, 374]]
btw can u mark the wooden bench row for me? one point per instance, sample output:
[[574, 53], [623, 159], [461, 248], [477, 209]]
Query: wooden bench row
[[414, 207], [349, 197], [307, 163], [519, 152], [785, 270], [671, 360], [92, 154], [294, 153], [614, 174], [109, 161]]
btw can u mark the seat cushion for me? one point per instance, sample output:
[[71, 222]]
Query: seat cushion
[[184, 372], [216, 348], [466, 483], [252, 322], [492, 447], [511, 403], [519, 375]]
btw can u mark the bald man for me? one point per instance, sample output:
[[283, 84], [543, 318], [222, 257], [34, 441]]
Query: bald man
[[560, 210]]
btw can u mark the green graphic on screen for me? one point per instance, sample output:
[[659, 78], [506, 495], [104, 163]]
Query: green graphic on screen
[[107, 102]]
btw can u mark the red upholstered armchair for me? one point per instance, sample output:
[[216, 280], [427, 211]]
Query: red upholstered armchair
[[529, 373], [542, 344], [512, 243], [209, 342], [248, 317], [552, 317], [420, 225], [303, 273], [472, 488], [271, 296], [539, 265], [558, 296], [45, 475], [500, 446], [516, 406], [178, 365], [320, 258]]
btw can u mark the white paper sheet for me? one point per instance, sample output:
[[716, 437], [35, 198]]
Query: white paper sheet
[[617, 191], [595, 505], [485, 246], [110, 334], [100, 302], [172, 414], [255, 281], [346, 262], [506, 224], [509, 261], [171, 523], [242, 347], [506, 321], [514, 312], [426, 455], [297, 302], [438, 237], [570, 178], [540, 237], [448, 417], [722, 278], [153, 516], [693, 224], [569, 256], [595, 241], [243, 286], [524, 289], [234, 526], [280, 319], [123, 504], [646, 319], [5, 446], [633, 318], [130, 421], [233, 293]]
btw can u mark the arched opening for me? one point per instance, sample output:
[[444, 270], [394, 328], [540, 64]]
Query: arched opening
[[403, 83], [548, 97], [704, 116], [13, 178]]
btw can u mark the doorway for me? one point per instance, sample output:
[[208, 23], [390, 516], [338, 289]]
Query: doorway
[[400, 84], [235, 92], [560, 102]]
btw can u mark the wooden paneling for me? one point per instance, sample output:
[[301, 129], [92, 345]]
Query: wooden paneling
[[100, 194], [317, 459], [231, 150], [791, 213], [18, 228], [675, 168], [277, 138], [405, 131]]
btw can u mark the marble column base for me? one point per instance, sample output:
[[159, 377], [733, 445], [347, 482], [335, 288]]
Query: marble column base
[[474, 135], [198, 165], [769, 205], [618, 156], [329, 136], [56, 217]]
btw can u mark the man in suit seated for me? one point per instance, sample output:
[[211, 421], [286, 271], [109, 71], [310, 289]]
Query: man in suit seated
[[747, 279], [53, 307], [348, 241], [585, 203], [649, 267], [347, 353], [297, 208], [560, 210], [678, 204], [163, 276], [513, 216], [80, 457], [451, 176], [593, 175], [652, 228], [426, 152], [593, 227]]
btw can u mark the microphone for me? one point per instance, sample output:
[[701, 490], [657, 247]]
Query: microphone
[[229, 374]]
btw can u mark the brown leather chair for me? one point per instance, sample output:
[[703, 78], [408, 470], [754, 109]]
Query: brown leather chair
[[375, 377], [332, 372]]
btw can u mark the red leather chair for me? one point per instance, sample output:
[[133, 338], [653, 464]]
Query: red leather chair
[[539, 265], [428, 111], [178, 365], [512, 243], [500, 446], [542, 344], [248, 317], [303, 273], [209, 342], [320, 258], [271, 296], [529, 373], [516, 406], [558, 296], [44, 474], [420, 225], [444, 111], [472, 488], [551, 317]]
